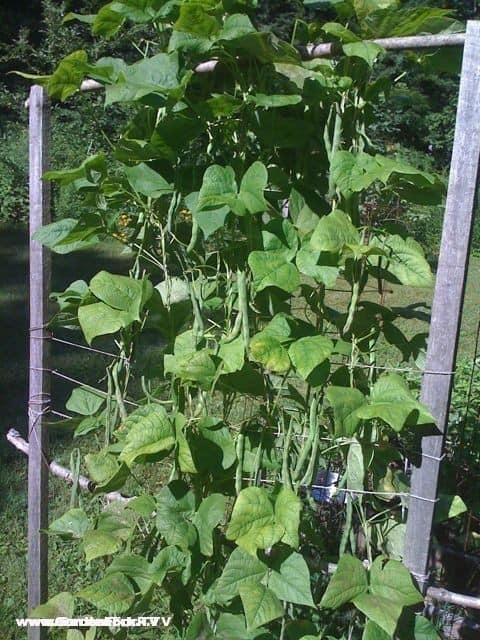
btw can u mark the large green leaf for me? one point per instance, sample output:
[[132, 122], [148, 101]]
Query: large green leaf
[[99, 319], [407, 261], [121, 292], [240, 568], [292, 582], [149, 431], [85, 401], [68, 76], [195, 19], [184, 453], [146, 181], [104, 469], [373, 632], [252, 524], [333, 232], [219, 188], [114, 594], [391, 580], [270, 352], [348, 582], [100, 543], [233, 354], [393, 402], [270, 270], [252, 186], [156, 75], [345, 402], [384, 612], [209, 514], [60, 606], [73, 524], [308, 353], [175, 510], [368, 51], [107, 22], [260, 604], [287, 513]]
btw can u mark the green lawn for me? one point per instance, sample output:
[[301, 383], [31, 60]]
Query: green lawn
[[86, 367]]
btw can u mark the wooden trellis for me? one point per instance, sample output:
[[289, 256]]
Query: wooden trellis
[[444, 331]]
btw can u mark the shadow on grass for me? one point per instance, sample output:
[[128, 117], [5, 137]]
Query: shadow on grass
[[14, 325]]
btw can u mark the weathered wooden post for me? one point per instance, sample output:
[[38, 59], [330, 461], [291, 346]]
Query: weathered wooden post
[[447, 306], [39, 378]]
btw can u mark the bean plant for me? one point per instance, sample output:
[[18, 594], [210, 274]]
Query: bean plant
[[245, 187]]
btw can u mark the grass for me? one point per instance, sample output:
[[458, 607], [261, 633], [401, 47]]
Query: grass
[[65, 559]]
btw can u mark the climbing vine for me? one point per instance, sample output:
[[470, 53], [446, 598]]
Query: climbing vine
[[245, 187]]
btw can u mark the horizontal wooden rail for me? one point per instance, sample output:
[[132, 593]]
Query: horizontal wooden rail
[[326, 49], [59, 471]]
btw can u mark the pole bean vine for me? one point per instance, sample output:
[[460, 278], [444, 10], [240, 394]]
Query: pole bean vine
[[244, 195]]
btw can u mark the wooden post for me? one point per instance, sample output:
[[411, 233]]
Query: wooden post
[[39, 378], [447, 306]]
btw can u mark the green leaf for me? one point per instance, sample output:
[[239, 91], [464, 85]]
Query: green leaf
[[104, 469], [149, 431], [347, 583], [287, 513], [195, 19], [391, 580], [100, 543], [209, 514], [218, 189], [135, 567], [93, 169], [368, 51], [292, 582], [146, 181], [252, 186], [260, 604], [85, 401], [60, 606], [157, 75], [114, 594], [73, 524], [345, 402], [373, 632], [333, 232], [121, 292], [384, 612], [184, 453], [407, 262], [241, 568], [424, 629], [175, 509], [270, 352], [107, 22], [197, 367], [168, 559], [393, 402], [68, 235], [252, 524], [363, 8], [99, 319], [236, 26], [308, 353], [234, 627], [272, 271], [449, 507], [232, 354], [322, 267], [68, 76]]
